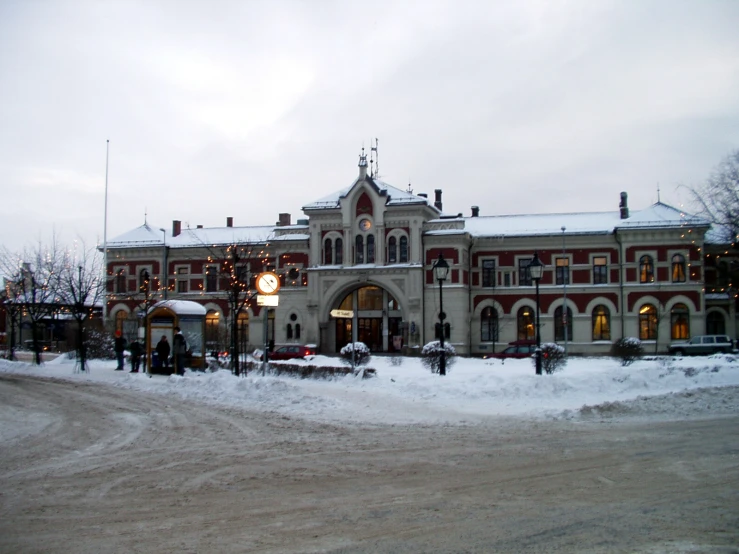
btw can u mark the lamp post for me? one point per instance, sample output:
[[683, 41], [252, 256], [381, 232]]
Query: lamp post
[[164, 268], [565, 278], [441, 271], [536, 268]]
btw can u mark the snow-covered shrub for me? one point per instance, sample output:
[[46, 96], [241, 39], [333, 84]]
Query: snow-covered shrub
[[431, 355], [628, 350], [99, 344], [552, 357], [396, 361], [361, 353]]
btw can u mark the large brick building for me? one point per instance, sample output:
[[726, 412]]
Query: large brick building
[[370, 247]]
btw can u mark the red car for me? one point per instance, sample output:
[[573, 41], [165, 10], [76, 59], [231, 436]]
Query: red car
[[517, 349], [292, 352]]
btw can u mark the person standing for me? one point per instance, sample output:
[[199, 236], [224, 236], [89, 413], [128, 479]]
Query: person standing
[[119, 346], [163, 350], [135, 349], [179, 349]]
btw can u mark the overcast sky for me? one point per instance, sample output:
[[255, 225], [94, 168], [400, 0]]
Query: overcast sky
[[248, 109]]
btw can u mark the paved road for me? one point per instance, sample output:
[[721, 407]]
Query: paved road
[[89, 468]]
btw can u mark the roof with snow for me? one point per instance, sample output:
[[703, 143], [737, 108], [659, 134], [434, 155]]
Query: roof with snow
[[180, 307], [211, 236], [656, 216], [395, 196]]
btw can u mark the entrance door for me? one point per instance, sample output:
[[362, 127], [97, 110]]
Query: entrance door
[[376, 312]]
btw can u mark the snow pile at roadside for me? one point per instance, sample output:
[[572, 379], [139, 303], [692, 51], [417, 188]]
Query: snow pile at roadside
[[474, 389]]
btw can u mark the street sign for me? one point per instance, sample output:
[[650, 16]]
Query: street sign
[[270, 301], [342, 313]]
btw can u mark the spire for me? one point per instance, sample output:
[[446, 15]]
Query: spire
[[362, 164]]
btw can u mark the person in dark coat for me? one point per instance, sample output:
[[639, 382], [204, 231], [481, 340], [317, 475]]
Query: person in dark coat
[[179, 349], [163, 350], [135, 349], [119, 346]]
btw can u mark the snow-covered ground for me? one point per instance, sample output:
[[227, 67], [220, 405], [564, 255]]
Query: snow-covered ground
[[473, 389]]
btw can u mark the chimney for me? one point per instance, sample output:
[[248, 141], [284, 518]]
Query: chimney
[[437, 201], [624, 205], [475, 211], [199, 226], [284, 220], [423, 195], [229, 222], [176, 227]]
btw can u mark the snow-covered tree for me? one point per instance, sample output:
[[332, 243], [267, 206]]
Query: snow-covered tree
[[431, 355]]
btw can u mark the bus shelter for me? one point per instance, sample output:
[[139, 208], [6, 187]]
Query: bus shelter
[[162, 318]]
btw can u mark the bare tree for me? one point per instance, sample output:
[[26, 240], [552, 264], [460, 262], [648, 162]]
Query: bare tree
[[80, 290], [38, 271], [718, 197], [10, 297]]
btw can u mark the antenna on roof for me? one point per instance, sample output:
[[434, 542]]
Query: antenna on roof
[[658, 202], [410, 190], [145, 214], [374, 172]]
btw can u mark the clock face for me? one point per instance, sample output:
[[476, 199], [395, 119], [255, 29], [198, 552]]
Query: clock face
[[268, 283], [365, 224]]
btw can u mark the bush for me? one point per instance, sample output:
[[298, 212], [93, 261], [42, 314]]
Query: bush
[[396, 361], [628, 350], [431, 356], [552, 357], [361, 353], [99, 345]]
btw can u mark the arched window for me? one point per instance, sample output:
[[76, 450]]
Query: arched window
[[359, 250], [560, 324], [715, 324], [403, 250], [297, 331], [370, 249], [144, 286], [392, 250], [526, 321], [680, 322], [327, 251], [339, 251], [646, 269], [120, 281], [289, 331], [601, 323], [120, 317], [489, 325], [648, 322], [678, 268]]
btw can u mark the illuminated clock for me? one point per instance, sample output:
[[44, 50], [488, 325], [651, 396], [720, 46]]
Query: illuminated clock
[[268, 283], [365, 224]]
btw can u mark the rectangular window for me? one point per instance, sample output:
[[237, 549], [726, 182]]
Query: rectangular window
[[507, 279], [488, 273], [524, 274], [600, 270], [563, 271], [182, 284], [211, 279]]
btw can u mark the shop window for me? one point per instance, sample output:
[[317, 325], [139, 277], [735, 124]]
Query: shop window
[[489, 325], [680, 322], [648, 322]]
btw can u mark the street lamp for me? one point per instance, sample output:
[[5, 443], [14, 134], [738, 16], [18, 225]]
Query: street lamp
[[441, 271], [164, 269], [536, 268]]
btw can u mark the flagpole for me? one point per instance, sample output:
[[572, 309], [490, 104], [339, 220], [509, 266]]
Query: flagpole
[[105, 238]]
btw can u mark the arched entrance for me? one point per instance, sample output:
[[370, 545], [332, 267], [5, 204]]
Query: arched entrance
[[377, 317]]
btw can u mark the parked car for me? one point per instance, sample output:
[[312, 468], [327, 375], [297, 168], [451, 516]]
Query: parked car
[[702, 345], [292, 352], [517, 349]]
